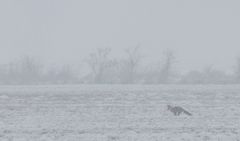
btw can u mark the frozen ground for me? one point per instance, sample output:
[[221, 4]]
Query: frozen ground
[[119, 113]]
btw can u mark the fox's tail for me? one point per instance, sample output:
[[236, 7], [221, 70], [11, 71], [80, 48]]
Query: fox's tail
[[187, 113]]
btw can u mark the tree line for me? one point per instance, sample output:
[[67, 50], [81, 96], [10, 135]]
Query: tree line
[[104, 69]]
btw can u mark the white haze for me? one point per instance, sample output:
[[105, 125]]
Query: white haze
[[201, 33]]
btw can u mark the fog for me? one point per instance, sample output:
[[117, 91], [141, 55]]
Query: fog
[[200, 33]]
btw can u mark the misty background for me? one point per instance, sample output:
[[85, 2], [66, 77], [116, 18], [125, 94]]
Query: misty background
[[127, 41]]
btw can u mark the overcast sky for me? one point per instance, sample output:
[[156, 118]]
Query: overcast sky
[[201, 32]]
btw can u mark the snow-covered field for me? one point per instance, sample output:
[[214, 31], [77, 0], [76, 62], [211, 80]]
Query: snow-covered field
[[119, 113]]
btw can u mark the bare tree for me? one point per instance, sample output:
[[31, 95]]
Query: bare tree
[[30, 70], [25, 71], [237, 72], [209, 75], [66, 75], [4, 78], [130, 65], [98, 62], [166, 70]]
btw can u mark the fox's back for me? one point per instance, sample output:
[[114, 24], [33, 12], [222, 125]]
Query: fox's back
[[177, 110]]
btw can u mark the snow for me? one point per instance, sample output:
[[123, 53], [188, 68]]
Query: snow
[[119, 113]]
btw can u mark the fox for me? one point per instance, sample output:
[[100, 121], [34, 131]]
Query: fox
[[177, 110]]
